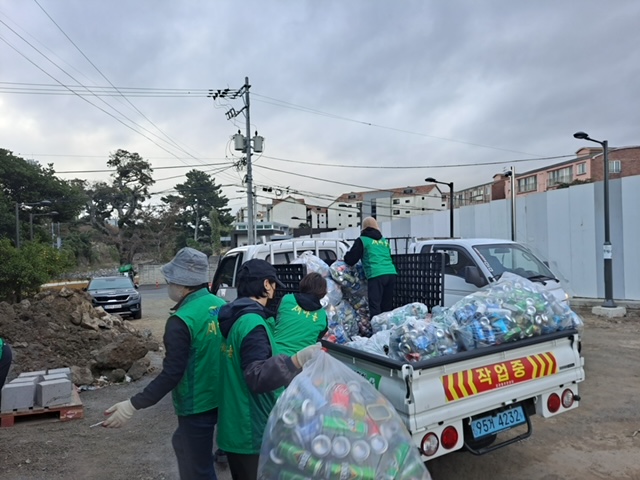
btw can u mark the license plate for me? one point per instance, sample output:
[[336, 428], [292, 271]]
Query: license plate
[[499, 422], [111, 307]]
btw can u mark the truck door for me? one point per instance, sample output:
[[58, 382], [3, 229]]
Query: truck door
[[456, 259], [224, 283]]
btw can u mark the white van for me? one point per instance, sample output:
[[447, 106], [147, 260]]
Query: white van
[[277, 253], [472, 263]]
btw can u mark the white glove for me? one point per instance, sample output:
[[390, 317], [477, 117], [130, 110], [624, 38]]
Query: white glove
[[306, 354], [119, 414]]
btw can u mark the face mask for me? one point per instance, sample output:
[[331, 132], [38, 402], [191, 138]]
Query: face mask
[[175, 292]]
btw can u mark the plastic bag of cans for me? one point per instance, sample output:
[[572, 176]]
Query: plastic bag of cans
[[313, 263], [350, 278], [334, 294], [342, 322], [330, 423], [417, 340], [398, 316], [507, 311], [377, 344]]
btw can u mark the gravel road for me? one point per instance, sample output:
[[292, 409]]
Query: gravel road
[[598, 440]]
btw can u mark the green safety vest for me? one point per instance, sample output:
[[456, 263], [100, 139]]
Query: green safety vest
[[376, 258], [243, 414], [297, 328], [1, 347], [199, 388]]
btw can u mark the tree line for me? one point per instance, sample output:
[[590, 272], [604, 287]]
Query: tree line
[[115, 212]]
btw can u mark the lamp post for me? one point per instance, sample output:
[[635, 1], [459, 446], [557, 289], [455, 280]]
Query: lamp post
[[42, 203], [31, 215], [606, 248], [512, 173], [450, 185]]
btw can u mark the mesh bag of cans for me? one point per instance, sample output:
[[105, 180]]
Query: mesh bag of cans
[[313, 263], [509, 310], [330, 423]]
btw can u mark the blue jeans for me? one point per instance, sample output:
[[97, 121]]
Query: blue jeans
[[193, 444]]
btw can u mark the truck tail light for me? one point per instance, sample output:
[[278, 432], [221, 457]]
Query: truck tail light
[[430, 444], [553, 402], [449, 437], [567, 398]]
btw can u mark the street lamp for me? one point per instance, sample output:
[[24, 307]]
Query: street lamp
[[606, 248], [42, 203], [309, 221], [450, 185], [512, 173], [31, 215]]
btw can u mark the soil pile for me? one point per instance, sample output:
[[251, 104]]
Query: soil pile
[[63, 329]]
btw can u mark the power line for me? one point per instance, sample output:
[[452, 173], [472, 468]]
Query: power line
[[153, 168]]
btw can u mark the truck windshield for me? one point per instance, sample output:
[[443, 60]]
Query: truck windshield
[[515, 259], [110, 283]]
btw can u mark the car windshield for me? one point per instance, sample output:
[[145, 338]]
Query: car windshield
[[515, 259], [110, 283]]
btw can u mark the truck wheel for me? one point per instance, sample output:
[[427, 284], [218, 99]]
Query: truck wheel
[[137, 315]]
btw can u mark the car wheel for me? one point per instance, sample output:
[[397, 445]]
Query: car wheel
[[137, 315]]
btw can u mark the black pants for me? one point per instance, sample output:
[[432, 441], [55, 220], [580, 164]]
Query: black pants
[[5, 364], [243, 467], [380, 294], [193, 444]]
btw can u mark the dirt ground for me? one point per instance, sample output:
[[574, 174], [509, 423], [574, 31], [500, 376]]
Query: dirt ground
[[599, 440]]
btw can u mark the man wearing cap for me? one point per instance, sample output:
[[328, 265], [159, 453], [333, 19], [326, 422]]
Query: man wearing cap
[[252, 370], [190, 369]]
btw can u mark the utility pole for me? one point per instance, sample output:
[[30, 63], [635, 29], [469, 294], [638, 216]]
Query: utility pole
[[250, 213], [513, 203]]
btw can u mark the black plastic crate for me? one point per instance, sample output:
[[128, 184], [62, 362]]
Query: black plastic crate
[[420, 279], [290, 275]]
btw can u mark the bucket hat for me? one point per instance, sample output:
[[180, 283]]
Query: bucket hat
[[188, 268]]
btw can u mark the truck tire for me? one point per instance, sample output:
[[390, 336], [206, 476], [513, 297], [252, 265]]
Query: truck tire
[[137, 315]]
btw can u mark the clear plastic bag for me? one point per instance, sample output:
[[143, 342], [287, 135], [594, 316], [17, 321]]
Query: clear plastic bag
[[313, 263], [397, 316], [506, 311], [377, 344], [331, 423], [417, 340]]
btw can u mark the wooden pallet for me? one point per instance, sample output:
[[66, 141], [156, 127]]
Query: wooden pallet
[[62, 413]]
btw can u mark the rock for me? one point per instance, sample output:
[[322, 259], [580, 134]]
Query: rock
[[65, 292], [81, 375], [88, 322], [106, 323], [76, 318], [153, 345], [117, 375], [100, 311], [25, 304], [121, 353], [139, 368]]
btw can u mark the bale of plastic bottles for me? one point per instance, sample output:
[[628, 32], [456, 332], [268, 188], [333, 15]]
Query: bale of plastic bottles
[[331, 423]]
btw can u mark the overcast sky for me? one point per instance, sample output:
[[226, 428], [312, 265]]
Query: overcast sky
[[429, 84]]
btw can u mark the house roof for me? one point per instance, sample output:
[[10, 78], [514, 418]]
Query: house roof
[[395, 192]]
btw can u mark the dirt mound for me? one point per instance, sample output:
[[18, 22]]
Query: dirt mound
[[62, 329]]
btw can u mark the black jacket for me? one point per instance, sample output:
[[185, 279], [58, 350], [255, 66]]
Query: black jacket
[[263, 372], [357, 250]]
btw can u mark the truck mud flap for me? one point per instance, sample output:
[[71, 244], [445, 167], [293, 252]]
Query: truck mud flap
[[486, 444]]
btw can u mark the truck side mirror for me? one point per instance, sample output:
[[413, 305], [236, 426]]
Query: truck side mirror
[[472, 275]]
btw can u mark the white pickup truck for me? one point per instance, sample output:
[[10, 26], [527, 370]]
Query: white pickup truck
[[472, 263], [467, 399]]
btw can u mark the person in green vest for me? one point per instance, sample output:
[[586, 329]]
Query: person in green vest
[[5, 362], [253, 370], [374, 251], [191, 367], [301, 320]]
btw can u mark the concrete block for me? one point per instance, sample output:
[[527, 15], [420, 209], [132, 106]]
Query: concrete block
[[55, 376], [17, 396], [609, 312], [53, 392], [55, 371], [32, 380], [40, 373]]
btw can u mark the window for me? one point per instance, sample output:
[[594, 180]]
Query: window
[[407, 201], [351, 196], [564, 175], [615, 166], [455, 260], [581, 168], [528, 184], [408, 190], [511, 258], [396, 212], [226, 272], [407, 211], [396, 201]]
